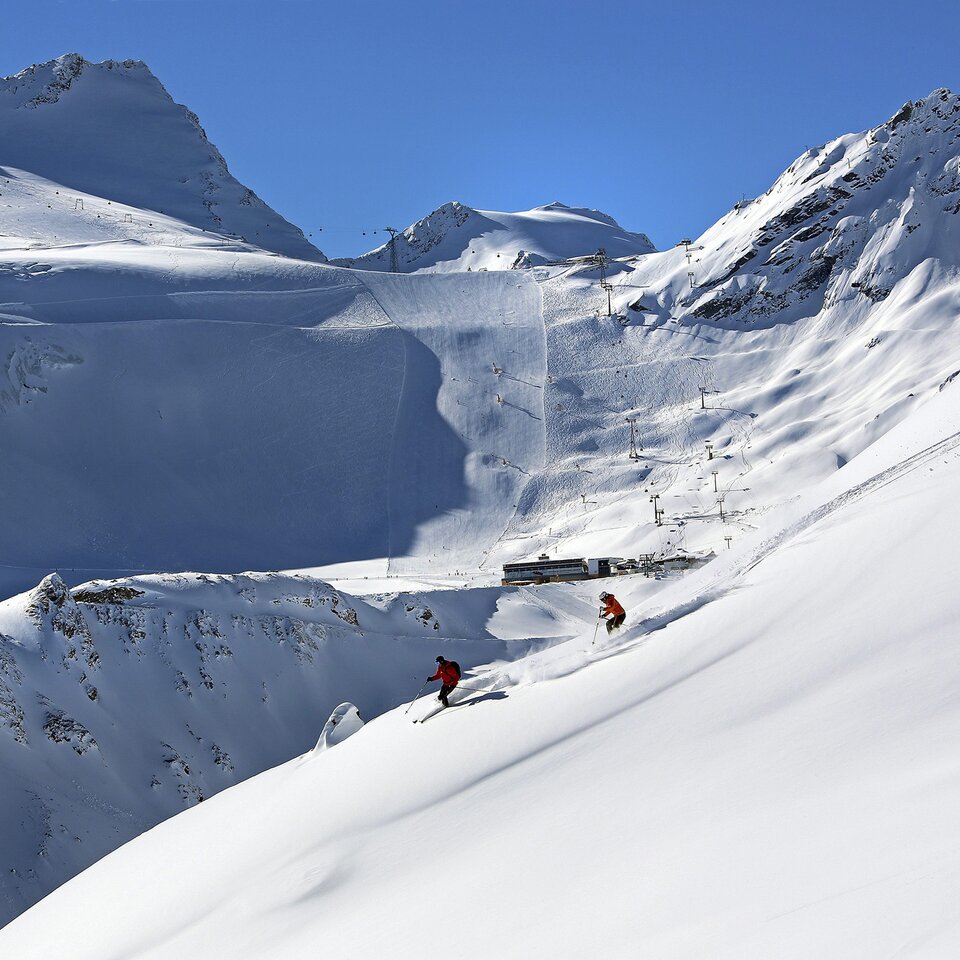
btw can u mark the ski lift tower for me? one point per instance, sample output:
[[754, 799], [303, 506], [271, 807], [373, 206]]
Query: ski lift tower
[[633, 455], [394, 265], [608, 287], [601, 259], [687, 245]]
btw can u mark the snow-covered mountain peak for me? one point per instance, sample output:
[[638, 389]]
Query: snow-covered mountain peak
[[45, 83], [50, 607], [111, 131], [919, 124], [941, 104], [587, 213], [849, 219], [456, 237]]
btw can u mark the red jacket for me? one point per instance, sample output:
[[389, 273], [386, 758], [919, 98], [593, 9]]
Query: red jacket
[[611, 606], [447, 674]]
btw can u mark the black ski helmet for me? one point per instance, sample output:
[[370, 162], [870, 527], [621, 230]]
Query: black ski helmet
[[441, 660]]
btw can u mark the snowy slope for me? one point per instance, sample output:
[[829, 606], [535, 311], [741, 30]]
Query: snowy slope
[[815, 317], [761, 768], [129, 701], [238, 385], [170, 399], [247, 381], [110, 131], [457, 237]]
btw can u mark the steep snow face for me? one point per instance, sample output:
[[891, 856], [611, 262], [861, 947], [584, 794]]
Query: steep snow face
[[124, 702], [839, 229], [110, 131], [446, 424], [455, 237], [259, 413], [761, 766]]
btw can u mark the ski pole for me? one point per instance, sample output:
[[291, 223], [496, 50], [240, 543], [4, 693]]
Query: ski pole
[[595, 629], [460, 686], [414, 700]]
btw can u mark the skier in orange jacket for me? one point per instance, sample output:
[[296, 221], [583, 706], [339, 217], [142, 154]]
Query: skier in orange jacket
[[612, 612]]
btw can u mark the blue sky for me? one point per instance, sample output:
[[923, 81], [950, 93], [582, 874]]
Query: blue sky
[[351, 115]]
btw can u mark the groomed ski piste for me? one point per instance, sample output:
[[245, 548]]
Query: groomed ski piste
[[758, 764]]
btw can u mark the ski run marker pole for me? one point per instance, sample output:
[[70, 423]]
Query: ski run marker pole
[[414, 700]]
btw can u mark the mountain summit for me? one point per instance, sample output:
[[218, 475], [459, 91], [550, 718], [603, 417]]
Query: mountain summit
[[842, 226], [110, 129], [457, 237]]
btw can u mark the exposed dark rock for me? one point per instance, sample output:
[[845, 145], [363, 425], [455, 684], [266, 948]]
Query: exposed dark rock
[[107, 595], [63, 729], [814, 278], [722, 307], [902, 116], [11, 713], [809, 206], [732, 269]]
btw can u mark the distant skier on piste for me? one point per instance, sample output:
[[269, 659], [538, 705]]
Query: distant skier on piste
[[448, 672], [612, 612]]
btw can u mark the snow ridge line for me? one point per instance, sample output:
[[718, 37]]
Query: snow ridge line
[[852, 495]]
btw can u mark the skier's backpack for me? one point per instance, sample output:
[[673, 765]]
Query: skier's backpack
[[456, 666]]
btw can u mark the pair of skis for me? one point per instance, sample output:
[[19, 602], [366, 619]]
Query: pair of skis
[[432, 713], [441, 708]]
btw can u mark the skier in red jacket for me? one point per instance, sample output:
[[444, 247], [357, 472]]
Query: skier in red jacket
[[612, 612], [448, 671]]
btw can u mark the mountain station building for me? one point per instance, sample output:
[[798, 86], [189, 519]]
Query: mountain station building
[[545, 570]]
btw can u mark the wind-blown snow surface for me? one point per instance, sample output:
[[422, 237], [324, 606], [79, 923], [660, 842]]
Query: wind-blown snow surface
[[456, 237], [753, 770]]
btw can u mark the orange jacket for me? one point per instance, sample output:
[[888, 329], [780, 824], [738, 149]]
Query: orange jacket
[[611, 607]]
